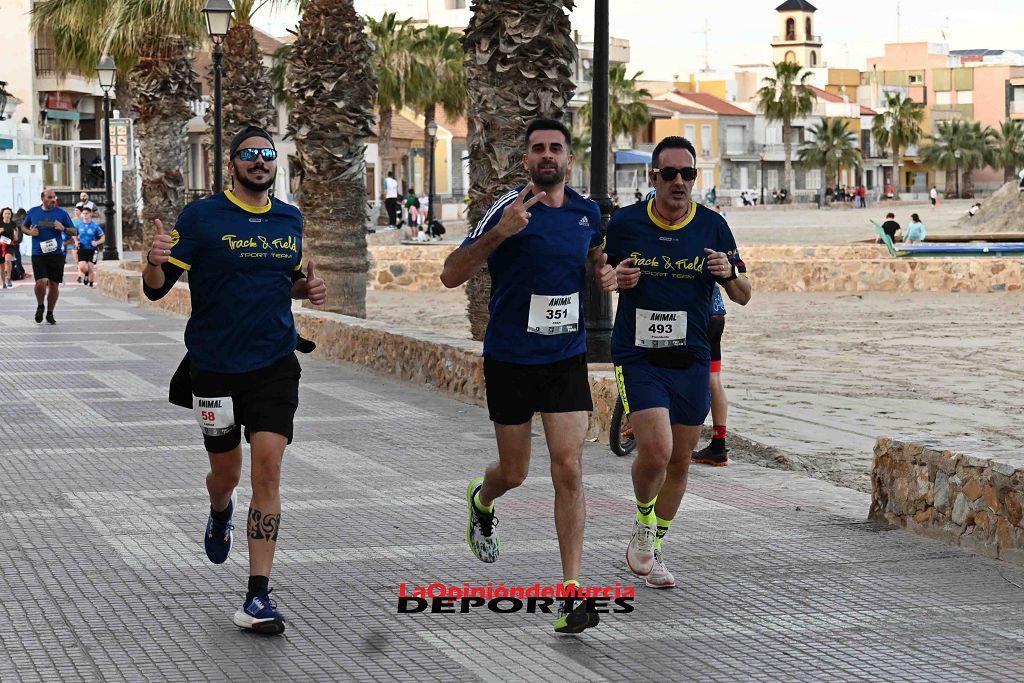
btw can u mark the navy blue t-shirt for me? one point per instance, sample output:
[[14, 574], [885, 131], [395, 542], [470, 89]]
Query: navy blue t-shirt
[[240, 260], [537, 280], [49, 240], [673, 279]]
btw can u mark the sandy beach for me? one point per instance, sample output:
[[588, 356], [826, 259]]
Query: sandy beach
[[819, 376]]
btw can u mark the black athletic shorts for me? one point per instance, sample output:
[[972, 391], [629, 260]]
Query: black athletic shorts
[[716, 326], [265, 400], [88, 255], [515, 392], [48, 267]]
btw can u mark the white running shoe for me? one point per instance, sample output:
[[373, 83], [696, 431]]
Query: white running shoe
[[660, 576], [640, 551]]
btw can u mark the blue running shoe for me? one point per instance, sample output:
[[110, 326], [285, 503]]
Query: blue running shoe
[[219, 535], [259, 614]]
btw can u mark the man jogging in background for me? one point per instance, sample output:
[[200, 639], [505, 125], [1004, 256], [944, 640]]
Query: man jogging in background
[[670, 252], [90, 237], [715, 453], [243, 252], [538, 241], [49, 226]]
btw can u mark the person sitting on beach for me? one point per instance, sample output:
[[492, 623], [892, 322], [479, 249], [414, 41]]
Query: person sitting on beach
[[891, 228], [974, 209], [916, 232]]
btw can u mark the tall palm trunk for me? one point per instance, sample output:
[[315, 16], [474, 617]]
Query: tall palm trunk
[[950, 183], [333, 89], [787, 168], [519, 61], [163, 83], [131, 226], [896, 171], [385, 154], [968, 184]]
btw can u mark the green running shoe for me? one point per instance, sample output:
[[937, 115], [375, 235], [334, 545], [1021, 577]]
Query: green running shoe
[[481, 534]]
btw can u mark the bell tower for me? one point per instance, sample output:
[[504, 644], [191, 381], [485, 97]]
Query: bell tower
[[797, 41]]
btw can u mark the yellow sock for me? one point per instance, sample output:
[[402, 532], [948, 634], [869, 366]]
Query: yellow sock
[[480, 506], [663, 525], [645, 511]]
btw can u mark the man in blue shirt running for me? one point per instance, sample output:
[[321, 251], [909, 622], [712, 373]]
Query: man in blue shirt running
[[49, 225], [669, 252], [538, 241], [242, 249], [90, 237]]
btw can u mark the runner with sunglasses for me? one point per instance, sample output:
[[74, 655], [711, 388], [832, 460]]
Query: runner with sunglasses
[[243, 252], [669, 252]]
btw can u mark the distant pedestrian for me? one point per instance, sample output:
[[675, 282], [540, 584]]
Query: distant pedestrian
[[9, 232], [933, 195], [391, 199], [84, 201], [1020, 188], [916, 232], [862, 196]]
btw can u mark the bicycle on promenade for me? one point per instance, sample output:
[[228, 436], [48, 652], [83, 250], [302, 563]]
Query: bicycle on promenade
[[620, 433]]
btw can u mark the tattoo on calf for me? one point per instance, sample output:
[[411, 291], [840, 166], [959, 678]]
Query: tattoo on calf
[[263, 527]]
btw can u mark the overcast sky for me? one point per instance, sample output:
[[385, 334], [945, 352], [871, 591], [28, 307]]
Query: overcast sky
[[667, 39]]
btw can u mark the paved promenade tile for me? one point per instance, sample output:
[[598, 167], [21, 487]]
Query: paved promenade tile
[[103, 575]]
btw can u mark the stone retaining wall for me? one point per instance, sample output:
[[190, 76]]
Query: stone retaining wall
[[974, 501], [847, 268]]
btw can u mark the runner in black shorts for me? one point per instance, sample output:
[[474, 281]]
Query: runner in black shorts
[[716, 453], [49, 225], [243, 252], [538, 242]]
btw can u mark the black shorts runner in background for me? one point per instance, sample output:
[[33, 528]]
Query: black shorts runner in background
[[516, 391], [265, 400], [87, 255], [48, 267], [716, 326]]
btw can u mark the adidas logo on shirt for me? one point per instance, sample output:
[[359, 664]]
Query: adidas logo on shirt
[[584, 221]]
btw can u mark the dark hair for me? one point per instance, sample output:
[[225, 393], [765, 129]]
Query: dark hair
[[86, 208], [6, 208], [914, 217], [548, 124], [890, 215], [673, 142]]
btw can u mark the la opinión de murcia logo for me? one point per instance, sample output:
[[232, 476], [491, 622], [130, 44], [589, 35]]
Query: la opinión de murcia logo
[[440, 598]]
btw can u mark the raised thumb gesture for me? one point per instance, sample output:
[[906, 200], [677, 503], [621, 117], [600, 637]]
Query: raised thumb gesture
[[316, 289], [160, 251], [604, 274]]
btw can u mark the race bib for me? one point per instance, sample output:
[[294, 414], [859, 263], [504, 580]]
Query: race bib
[[216, 416], [660, 329], [49, 246], [554, 314], [4, 239]]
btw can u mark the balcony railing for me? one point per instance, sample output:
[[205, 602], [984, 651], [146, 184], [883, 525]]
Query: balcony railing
[[796, 38], [46, 62]]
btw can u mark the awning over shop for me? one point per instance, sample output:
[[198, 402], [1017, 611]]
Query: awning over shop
[[624, 157], [59, 114]]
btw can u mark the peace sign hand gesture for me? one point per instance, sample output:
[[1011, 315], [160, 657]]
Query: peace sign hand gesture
[[516, 216]]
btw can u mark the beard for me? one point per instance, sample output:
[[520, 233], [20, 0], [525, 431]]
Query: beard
[[254, 186], [547, 176]]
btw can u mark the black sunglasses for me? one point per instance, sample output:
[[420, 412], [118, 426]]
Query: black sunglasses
[[250, 153], [668, 174]]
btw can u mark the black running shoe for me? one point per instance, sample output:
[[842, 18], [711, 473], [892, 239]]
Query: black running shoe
[[39, 313], [573, 617], [50, 319], [711, 456]]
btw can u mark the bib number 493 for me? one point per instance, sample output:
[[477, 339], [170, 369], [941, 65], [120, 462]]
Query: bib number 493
[[660, 329]]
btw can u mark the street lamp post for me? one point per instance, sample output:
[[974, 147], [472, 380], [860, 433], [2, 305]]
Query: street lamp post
[[956, 155], [597, 304], [432, 132], [106, 70], [764, 150], [218, 21]]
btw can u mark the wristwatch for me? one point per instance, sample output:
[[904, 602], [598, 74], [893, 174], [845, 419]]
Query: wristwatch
[[731, 277]]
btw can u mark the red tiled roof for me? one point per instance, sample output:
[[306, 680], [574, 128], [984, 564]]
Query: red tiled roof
[[832, 97], [268, 44], [714, 103], [669, 105], [459, 128]]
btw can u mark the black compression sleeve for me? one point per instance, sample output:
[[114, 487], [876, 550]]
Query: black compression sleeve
[[171, 275], [297, 275]]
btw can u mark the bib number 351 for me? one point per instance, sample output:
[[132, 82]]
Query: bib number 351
[[554, 314]]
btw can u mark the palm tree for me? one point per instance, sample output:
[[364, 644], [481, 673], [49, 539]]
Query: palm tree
[[896, 128], [1008, 147], [977, 152], [785, 98], [834, 145], [627, 111], [438, 77], [940, 151], [248, 93], [150, 40], [333, 88], [581, 151], [519, 60]]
